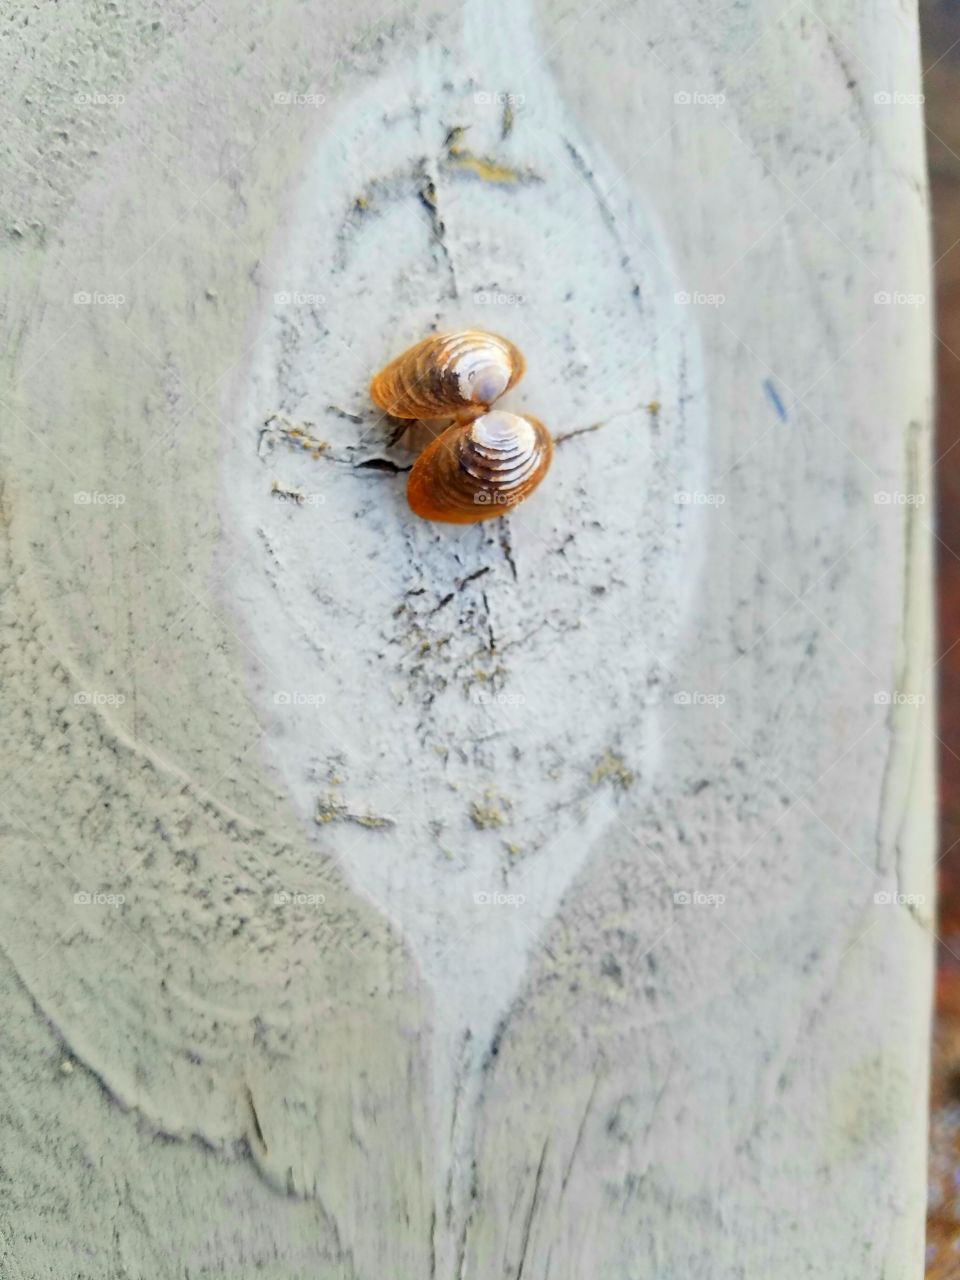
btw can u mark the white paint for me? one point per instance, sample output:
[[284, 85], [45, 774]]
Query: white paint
[[654, 1085], [434, 753]]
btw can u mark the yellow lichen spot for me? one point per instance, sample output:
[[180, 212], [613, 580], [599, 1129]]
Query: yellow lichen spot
[[485, 813], [611, 767], [331, 809], [513, 849], [328, 810], [370, 820], [295, 434], [313, 446], [653, 407], [483, 167]]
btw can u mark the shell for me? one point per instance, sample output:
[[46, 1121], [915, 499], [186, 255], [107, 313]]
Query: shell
[[448, 375], [478, 470]]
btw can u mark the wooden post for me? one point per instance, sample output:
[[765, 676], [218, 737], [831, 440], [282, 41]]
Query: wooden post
[[547, 898]]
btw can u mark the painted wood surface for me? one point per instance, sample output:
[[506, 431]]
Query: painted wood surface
[[548, 898]]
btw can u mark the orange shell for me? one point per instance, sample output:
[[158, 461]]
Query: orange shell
[[478, 470], [448, 375]]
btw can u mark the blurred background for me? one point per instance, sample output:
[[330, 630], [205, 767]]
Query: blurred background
[[940, 29]]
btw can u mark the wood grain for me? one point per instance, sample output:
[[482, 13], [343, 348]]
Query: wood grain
[[549, 898]]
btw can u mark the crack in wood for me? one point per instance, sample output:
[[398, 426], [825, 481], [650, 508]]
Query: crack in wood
[[532, 1210]]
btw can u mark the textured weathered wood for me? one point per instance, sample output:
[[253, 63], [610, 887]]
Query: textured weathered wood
[[498, 901]]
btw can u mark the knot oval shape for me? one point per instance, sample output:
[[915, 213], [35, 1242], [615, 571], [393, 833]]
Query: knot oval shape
[[448, 375], [480, 469]]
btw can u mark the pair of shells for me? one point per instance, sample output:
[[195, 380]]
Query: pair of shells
[[488, 460]]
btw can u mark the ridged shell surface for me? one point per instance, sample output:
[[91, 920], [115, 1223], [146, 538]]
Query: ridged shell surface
[[448, 375], [481, 469]]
